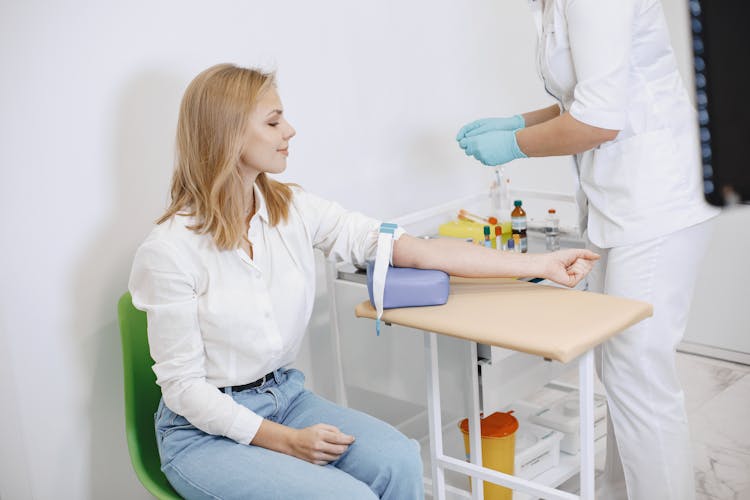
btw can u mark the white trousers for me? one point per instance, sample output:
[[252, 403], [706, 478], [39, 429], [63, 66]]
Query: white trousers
[[648, 441]]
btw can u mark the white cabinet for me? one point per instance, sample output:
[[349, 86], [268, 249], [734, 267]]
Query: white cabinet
[[719, 321]]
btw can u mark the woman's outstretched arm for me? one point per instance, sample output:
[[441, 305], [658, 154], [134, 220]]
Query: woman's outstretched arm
[[460, 258]]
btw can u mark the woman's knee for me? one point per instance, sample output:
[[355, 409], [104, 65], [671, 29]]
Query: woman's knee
[[386, 460], [401, 470], [406, 458], [341, 487]]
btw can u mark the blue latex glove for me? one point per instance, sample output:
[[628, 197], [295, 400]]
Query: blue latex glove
[[487, 124], [495, 147]]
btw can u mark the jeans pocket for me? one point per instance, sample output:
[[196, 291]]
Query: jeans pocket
[[177, 427], [174, 437], [294, 375], [159, 413], [167, 421]]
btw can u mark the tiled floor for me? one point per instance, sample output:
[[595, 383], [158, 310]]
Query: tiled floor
[[717, 397], [718, 402]]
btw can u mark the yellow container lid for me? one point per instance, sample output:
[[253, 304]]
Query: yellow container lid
[[497, 425]]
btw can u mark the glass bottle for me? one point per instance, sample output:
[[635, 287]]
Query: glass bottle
[[518, 222], [552, 230]]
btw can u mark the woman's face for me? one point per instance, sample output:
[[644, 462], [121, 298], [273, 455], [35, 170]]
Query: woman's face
[[266, 143]]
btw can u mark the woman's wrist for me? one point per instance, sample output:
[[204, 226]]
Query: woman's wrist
[[539, 265], [275, 437], [525, 265], [288, 440]]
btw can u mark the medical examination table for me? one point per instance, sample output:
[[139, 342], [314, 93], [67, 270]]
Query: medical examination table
[[558, 325]]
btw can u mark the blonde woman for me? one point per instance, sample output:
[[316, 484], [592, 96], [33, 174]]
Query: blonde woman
[[227, 279]]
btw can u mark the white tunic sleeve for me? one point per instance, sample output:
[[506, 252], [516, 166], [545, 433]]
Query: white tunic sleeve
[[600, 36], [163, 283]]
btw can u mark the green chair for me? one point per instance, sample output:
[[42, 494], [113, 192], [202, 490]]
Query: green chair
[[141, 400]]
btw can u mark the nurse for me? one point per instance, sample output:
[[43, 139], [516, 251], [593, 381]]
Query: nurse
[[624, 113]]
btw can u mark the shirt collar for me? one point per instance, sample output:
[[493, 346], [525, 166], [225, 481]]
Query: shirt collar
[[260, 203]]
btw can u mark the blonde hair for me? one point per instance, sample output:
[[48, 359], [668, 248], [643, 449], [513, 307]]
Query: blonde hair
[[206, 182]]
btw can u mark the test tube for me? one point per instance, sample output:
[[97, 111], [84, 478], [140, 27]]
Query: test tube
[[466, 215], [499, 237]]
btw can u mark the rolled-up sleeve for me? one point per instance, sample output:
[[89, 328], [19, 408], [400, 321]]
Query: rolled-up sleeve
[[162, 285], [600, 36], [339, 233]]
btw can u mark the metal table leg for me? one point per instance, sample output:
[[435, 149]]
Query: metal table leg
[[586, 404]]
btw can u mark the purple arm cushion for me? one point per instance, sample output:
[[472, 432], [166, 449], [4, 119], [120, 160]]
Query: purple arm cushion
[[409, 287]]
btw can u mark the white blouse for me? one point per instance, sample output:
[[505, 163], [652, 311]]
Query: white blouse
[[610, 63], [217, 318]]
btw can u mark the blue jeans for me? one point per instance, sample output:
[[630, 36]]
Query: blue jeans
[[381, 463]]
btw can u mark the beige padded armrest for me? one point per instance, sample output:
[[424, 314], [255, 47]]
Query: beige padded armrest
[[547, 321]]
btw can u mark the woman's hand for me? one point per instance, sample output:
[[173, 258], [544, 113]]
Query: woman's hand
[[567, 267], [319, 444]]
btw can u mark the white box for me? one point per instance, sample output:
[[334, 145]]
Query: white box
[[563, 415], [537, 449]]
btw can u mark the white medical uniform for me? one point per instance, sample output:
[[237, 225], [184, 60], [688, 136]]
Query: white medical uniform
[[610, 64]]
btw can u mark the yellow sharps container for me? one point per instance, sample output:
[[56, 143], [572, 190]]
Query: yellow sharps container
[[498, 449]]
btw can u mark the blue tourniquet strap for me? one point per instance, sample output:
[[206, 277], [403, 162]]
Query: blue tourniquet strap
[[382, 261]]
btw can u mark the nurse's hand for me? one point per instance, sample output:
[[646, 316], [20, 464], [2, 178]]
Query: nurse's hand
[[568, 267], [495, 147], [487, 124]]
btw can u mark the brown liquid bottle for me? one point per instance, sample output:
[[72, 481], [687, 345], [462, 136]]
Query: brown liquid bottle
[[518, 222]]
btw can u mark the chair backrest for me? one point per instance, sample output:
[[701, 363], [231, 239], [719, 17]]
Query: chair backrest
[[141, 396]]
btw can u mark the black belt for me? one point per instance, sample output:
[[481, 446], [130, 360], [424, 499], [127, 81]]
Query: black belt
[[251, 385]]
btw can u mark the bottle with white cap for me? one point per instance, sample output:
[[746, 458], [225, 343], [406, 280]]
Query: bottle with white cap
[[552, 230]]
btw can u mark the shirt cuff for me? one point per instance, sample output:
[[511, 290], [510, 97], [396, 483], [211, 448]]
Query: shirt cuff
[[396, 235], [245, 426]]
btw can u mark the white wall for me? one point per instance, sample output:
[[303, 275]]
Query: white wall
[[88, 102]]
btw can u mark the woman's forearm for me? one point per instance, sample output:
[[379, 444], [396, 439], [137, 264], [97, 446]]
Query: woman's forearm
[[274, 437], [563, 135], [541, 115], [459, 258]]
